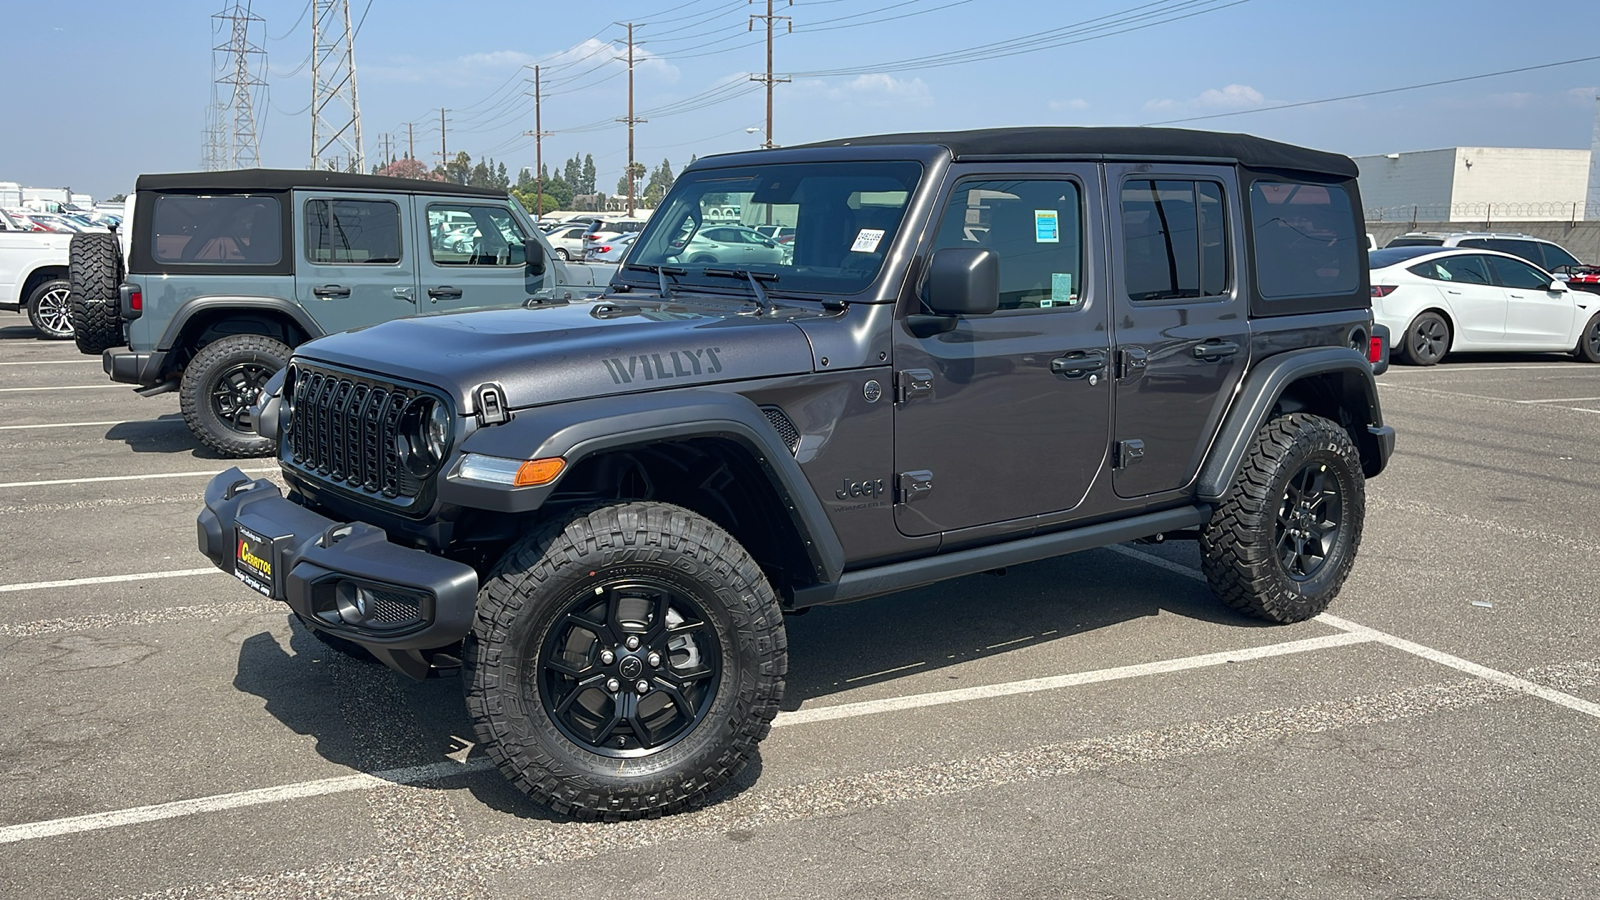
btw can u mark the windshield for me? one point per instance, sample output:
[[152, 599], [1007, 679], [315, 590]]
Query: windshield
[[843, 216]]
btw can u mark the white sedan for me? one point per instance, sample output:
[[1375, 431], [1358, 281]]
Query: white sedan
[[1435, 301], [733, 244]]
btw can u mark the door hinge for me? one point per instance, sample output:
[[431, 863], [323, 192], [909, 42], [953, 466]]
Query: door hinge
[[1132, 363], [910, 384], [912, 486], [1128, 453]]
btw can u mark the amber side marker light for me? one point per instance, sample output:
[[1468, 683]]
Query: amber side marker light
[[537, 472]]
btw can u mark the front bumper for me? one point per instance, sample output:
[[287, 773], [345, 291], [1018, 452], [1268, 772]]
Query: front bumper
[[409, 601]]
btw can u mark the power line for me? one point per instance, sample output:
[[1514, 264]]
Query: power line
[[1394, 90]]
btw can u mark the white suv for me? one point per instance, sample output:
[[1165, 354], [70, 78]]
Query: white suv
[[1548, 255]]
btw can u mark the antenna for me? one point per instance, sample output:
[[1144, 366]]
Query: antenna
[[335, 107]]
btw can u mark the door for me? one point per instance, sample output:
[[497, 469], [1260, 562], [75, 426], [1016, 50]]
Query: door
[[1476, 304], [988, 425], [473, 254], [1182, 333], [353, 269], [1535, 315]]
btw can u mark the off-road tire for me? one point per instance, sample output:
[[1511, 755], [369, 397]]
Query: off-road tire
[[1426, 340], [1588, 348], [1241, 547], [94, 269], [50, 309], [529, 600], [201, 377]]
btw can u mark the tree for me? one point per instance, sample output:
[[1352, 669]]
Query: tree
[[409, 168], [459, 170], [661, 179], [588, 184], [502, 181], [120, 198], [479, 176], [572, 174]]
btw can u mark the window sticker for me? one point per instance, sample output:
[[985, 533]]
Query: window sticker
[[1046, 226], [867, 240], [1061, 290]]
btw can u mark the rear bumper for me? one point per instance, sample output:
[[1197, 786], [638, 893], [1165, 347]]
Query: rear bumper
[[345, 579], [129, 367], [1383, 436]]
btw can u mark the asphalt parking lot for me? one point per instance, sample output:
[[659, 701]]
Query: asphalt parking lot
[[1095, 726]]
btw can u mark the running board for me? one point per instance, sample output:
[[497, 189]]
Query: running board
[[901, 576]]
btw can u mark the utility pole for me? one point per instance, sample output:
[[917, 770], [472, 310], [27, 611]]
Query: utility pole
[[444, 152], [239, 75], [411, 141], [769, 79], [333, 86], [539, 134], [631, 120]]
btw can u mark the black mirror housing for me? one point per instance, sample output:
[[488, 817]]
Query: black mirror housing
[[964, 281]]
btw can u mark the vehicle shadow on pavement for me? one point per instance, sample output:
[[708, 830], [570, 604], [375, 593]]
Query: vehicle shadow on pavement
[[840, 648], [163, 434], [24, 331]]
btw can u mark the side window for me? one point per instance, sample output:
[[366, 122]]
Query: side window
[[470, 235], [1465, 269], [1555, 257], [1034, 226], [1175, 239], [217, 230], [352, 232], [1516, 274], [1305, 240]]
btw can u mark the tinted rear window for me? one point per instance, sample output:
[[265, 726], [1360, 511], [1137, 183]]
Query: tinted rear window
[[1414, 242], [1306, 240], [238, 229], [1392, 255]]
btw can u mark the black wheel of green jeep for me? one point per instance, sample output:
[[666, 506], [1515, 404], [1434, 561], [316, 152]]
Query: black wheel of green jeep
[[94, 269], [220, 385], [50, 309], [1589, 342], [625, 662], [1282, 543], [1427, 340]]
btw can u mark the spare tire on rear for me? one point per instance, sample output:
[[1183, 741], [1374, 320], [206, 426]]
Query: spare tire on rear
[[94, 269]]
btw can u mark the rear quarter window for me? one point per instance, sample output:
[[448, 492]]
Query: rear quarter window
[[243, 230], [1306, 240]]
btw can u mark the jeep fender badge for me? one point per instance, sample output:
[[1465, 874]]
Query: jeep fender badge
[[490, 401]]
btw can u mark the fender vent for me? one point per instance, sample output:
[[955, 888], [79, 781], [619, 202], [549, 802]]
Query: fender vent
[[787, 433]]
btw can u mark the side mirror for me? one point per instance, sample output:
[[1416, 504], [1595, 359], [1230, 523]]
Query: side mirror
[[964, 281], [1558, 287], [535, 251]]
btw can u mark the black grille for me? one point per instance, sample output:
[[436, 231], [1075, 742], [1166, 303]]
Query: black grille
[[345, 430], [789, 434], [386, 609]]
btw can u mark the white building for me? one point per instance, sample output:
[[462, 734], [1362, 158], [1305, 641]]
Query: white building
[[1594, 166], [1477, 184]]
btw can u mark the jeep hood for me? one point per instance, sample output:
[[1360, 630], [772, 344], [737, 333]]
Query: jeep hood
[[573, 352]]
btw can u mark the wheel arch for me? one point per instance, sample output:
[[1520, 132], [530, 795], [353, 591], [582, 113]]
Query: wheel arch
[[1333, 382], [204, 319], [714, 453], [37, 277]]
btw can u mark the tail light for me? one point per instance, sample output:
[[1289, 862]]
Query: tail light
[[1375, 350], [1383, 290], [605, 249]]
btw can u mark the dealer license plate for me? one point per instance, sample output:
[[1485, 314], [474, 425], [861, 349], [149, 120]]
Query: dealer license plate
[[252, 560]]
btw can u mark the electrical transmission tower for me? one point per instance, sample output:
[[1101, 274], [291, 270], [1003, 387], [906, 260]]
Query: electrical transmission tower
[[335, 108], [214, 157], [237, 71]]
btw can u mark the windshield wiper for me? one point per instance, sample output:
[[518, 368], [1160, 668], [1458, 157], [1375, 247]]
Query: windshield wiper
[[755, 279], [661, 274]]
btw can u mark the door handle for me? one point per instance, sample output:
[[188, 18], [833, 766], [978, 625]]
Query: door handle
[[1216, 351], [444, 292], [330, 291], [1078, 364], [402, 293]]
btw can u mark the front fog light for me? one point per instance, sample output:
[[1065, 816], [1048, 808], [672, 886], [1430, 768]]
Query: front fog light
[[353, 602]]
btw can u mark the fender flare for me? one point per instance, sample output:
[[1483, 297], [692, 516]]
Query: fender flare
[[193, 307], [580, 429], [1260, 392]]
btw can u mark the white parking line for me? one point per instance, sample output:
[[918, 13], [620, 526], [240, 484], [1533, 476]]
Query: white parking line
[[156, 812], [50, 362], [1561, 400], [105, 579], [66, 387], [19, 484], [1057, 682], [66, 425], [1505, 679]]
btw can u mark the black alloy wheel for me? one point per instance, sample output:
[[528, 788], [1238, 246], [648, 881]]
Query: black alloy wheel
[[630, 667], [1308, 522], [236, 389], [1428, 339], [1589, 343]]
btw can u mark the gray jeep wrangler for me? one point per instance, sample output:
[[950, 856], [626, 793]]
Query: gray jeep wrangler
[[987, 348], [227, 272]]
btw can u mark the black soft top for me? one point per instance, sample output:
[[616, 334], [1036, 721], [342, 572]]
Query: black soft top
[[311, 179], [1116, 143]]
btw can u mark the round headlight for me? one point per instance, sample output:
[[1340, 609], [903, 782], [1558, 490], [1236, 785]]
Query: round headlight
[[438, 437]]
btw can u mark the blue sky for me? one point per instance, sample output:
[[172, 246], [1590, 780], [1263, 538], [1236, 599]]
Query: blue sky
[[106, 90]]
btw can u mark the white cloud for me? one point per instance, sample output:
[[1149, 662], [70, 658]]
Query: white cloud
[[880, 89], [478, 69], [1076, 103], [1234, 96], [1583, 94]]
